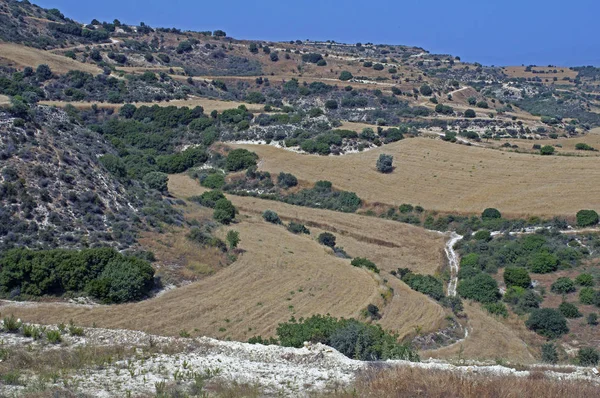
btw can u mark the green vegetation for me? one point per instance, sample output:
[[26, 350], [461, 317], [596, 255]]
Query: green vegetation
[[569, 310], [286, 180], [547, 322], [588, 356], [297, 228], [102, 273], [327, 239], [355, 339], [426, 284], [563, 285], [516, 276], [157, 180], [384, 163], [470, 113], [490, 214], [481, 287], [271, 216], [345, 76], [363, 262], [586, 218], [240, 159], [224, 211], [233, 239], [547, 150], [425, 90]]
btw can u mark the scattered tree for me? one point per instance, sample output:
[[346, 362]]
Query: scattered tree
[[384, 163]]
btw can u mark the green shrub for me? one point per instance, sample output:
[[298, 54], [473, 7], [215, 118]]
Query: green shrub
[[543, 263], [240, 159], [586, 295], [363, 262], [563, 286], [497, 309], [491, 213], [483, 235], [208, 198], [425, 90], [588, 356], [345, 76], [327, 239], [569, 310], [549, 353], [406, 208], [426, 284], [592, 319], [470, 113], [384, 163], [586, 218], [547, 150], [454, 303], [516, 276], [286, 180], [224, 211], [356, 340], [233, 238], [53, 336], [271, 216], [547, 322], [482, 287], [157, 180], [297, 228], [75, 330], [583, 147], [32, 331], [11, 324], [584, 280]]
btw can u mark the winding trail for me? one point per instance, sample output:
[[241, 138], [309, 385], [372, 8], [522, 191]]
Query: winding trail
[[453, 261]]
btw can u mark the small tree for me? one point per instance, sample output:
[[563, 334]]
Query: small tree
[[43, 72], [233, 238], [516, 276], [592, 319], [384, 163], [586, 218], [327, 239], [584, 280], [425, 90], [563, 285], [547, 322], [271, 216], [274, 57], [569, 310], [588, 356], [224, 211], [286, 180], [491, 213], [470, 113], [549, 353], [547, 150], [345, 76], [157, 180]]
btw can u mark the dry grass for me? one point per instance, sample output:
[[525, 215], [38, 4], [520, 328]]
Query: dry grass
[[562, 71], [403, 382], [356, 126], [4, 100], [491, 338], [20, 56], [208, 104], [451, 178], [279, 275]]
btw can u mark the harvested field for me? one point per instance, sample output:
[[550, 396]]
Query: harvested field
[[20, 56], [561, 72], [208, 104], [356, 126], [451, 177], [279, 275]]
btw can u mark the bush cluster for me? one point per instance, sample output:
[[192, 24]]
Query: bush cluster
[[102, 273]]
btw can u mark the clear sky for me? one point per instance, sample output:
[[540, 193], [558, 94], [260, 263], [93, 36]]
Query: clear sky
[[492, 32]]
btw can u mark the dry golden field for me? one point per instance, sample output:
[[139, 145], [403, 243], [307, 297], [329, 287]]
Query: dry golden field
[[4, 100], [208, 104], [562, 71], [20, 56], [452, 178], [279, 275]]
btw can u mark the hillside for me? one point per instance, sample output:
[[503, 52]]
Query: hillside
[[346, 218]]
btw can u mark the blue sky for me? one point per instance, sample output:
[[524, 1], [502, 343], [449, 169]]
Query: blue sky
[[504, 32]]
